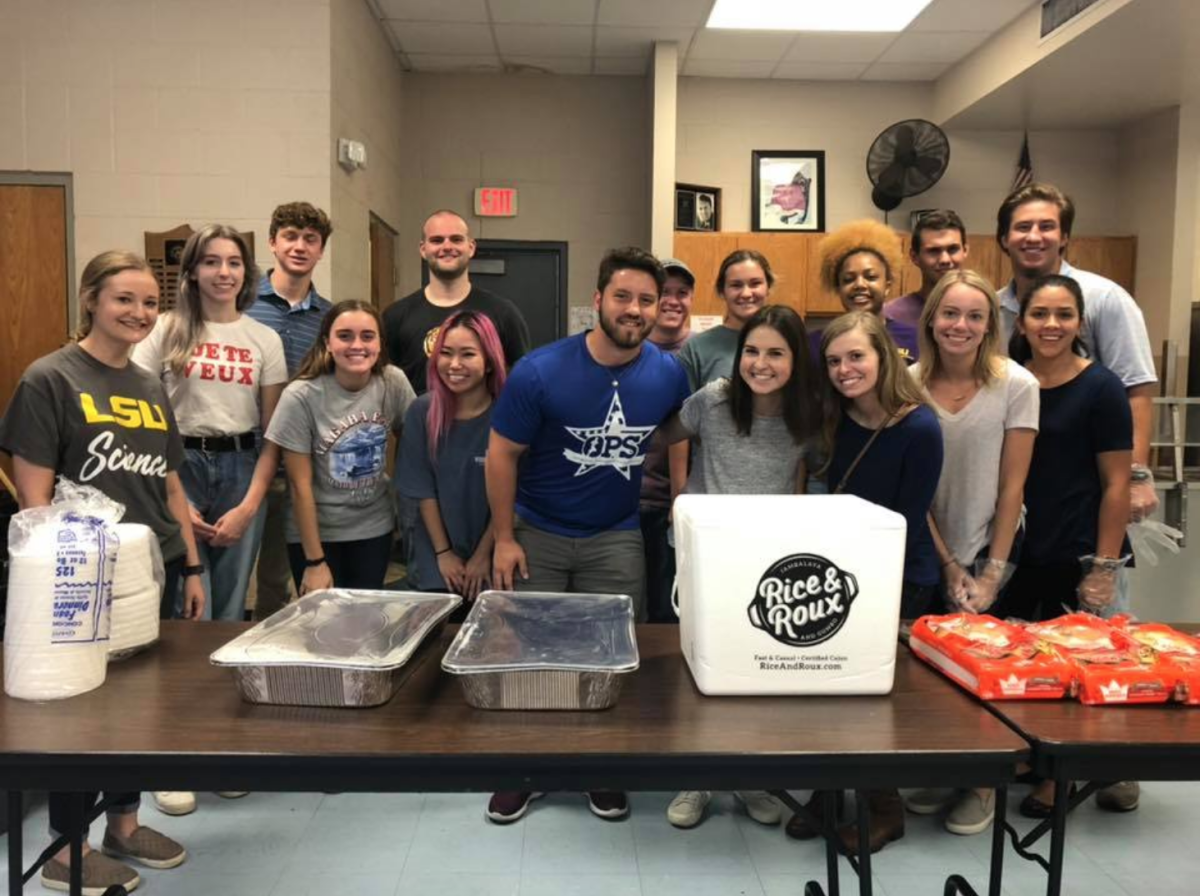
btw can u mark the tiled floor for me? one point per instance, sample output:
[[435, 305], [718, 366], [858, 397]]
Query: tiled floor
[[440, 845]]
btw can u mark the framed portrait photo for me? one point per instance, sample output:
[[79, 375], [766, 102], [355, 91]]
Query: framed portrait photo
[[787, 190], [697, 207]]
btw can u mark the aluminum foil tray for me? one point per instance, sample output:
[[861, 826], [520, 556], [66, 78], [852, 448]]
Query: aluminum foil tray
[[532, 650], [335, 647]]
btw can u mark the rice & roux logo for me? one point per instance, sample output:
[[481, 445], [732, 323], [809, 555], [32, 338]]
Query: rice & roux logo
[[803, 600]]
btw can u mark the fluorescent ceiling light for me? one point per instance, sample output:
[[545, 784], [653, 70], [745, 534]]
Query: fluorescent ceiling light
[[815, 15]]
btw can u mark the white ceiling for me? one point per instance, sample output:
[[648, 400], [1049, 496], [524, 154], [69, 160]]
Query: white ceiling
[[615, 37]]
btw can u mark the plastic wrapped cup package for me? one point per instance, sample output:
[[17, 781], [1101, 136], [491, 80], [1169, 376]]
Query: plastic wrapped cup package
[[532, 650], [336, 647], [788, 594], [62, 561]]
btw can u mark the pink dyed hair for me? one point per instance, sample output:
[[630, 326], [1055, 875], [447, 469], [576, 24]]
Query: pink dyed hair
[[442, 402]]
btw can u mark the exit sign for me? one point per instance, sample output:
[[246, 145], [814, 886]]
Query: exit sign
[[496, 202]]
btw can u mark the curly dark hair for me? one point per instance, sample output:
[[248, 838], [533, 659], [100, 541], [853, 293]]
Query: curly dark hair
[[301, 215]]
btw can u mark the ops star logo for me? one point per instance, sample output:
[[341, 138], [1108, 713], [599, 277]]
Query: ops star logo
[[613, 444]]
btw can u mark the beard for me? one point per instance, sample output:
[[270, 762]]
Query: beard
[[620, 338], [445, 272]]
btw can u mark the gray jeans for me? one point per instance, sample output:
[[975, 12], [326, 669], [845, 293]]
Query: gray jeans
[[608, 563]]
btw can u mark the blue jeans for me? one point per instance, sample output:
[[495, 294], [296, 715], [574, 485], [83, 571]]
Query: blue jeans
[[215, 483]]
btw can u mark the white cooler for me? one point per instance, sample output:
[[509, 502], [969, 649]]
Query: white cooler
[[788, 594]]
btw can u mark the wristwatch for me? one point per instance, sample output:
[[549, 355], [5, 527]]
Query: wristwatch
[[197, 570]]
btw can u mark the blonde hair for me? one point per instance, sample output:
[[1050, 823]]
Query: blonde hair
[[894, 387], [96, 274], [859, 236], [184, 325], [989, 362]]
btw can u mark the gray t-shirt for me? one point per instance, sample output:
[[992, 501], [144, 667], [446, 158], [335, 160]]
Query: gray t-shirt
[[726, 462], [455, 480], [107, 427], [345, 433], [973, 439], [709, 356]]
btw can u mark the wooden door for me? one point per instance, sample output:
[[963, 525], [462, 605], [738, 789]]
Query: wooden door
[[1114, 257], [34, 292], [383, 263]]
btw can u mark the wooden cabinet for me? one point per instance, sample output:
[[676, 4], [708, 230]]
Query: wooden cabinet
[[797, 266]]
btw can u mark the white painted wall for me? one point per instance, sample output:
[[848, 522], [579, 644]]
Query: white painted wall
[[168, 112]]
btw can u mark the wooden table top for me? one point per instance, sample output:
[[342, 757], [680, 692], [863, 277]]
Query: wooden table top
[[169, 713]]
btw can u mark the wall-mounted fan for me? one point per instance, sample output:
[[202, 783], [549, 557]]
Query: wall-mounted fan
[[908, 158]]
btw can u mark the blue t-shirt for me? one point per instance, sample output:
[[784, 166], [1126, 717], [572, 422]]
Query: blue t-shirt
[[1078, 420], [587, 440], [900, 471], [454, 477]]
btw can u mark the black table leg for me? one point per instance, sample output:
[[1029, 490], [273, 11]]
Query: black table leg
[[77, 815], [1058, 834], [16, 860], [996, 874], [864, 843], [830, 802]]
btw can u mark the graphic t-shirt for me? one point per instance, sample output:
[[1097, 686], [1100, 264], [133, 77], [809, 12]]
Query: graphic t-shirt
[[345, 434], [219, 391], [110, 428], [587, 427], [412, 325], [455, 478]]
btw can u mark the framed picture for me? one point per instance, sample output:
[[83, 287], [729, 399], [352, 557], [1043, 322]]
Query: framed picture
[[787, 190], [697, 208]]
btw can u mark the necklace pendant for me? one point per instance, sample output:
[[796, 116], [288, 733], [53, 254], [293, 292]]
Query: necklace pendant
[[615, 384]]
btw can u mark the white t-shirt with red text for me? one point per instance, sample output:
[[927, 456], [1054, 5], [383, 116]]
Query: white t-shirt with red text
[[219, 391]]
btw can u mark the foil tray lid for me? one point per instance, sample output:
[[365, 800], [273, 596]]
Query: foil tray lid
[[529, 631], [343, 628]]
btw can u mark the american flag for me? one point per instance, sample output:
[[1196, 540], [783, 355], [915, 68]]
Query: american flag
[[1024, 173]]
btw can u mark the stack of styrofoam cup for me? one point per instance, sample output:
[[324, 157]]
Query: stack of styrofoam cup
[[59, 595], [136, 592]]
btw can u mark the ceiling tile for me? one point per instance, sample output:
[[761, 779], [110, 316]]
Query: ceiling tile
[[544, 12], [434, 10], [837, 46], [820, 71], [544, 40], [622, 41], [621, 65], [440, 62], [434, 37], [933, 46], [681, 13], [969, 15], [905, 71], [727, 68], [557, 65], [740, 45]]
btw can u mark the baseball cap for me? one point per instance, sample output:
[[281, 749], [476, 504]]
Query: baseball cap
[[674, 265]]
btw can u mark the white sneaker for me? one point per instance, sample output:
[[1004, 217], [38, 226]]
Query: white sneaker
[[232, 794], [929, 800], [972, 814], [687, 809], [760, 806], [175, 802]]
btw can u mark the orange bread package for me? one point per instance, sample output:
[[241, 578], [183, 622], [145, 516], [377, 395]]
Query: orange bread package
[[1108, 667], [990, 658], [1177, 653]]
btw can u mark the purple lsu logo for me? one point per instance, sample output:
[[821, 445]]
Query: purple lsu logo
[[802, 600]]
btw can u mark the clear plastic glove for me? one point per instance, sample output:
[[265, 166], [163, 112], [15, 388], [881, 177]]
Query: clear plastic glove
[[1098, 586], [958, 584], [990, 576], [1143, 499], [1146, 535]]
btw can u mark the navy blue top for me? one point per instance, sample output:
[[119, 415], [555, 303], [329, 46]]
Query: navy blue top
[[297, 325], [900, 471], [587, 440], [1078, 420]]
